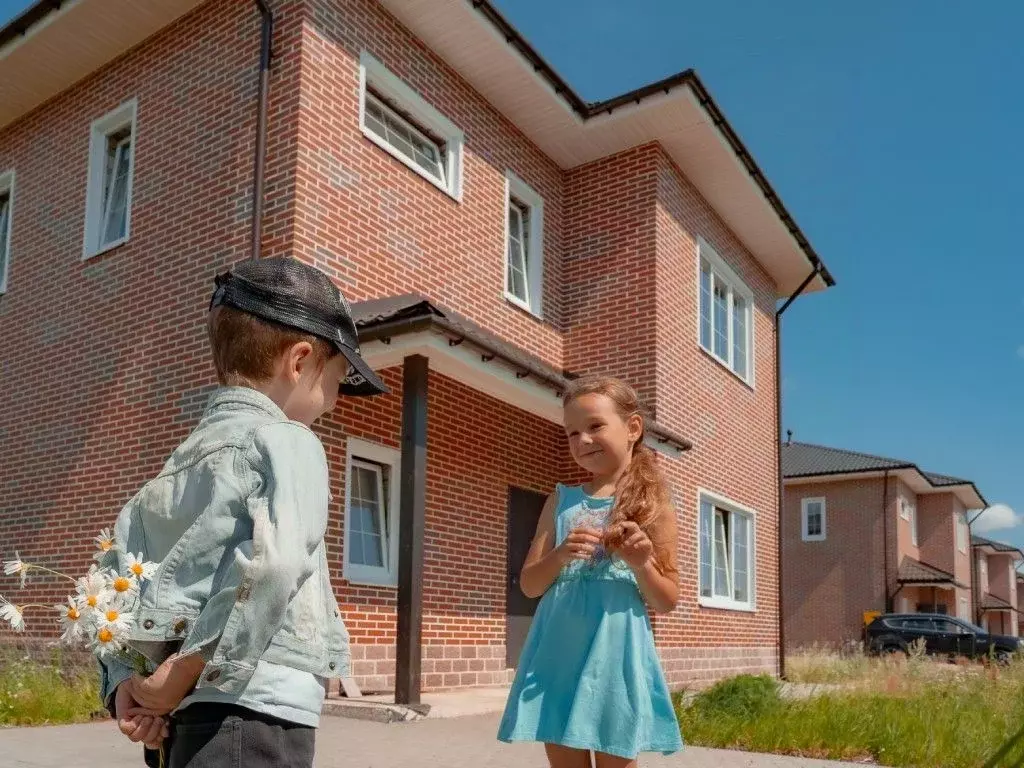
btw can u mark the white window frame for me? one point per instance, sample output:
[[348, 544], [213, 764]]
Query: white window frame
[[357, 451], [722, 272], [961, 532], [904, 507], [912, 517], [125, 116], [730, 604], [7, 188], [375, 77], [525, 194], [805, 516]]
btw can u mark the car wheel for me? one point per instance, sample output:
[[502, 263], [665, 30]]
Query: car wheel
[[1004, 657]]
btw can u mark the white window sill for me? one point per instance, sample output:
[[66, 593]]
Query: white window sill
[[520, 304], [370, 579], [748, 382], [813, 538], [411, 165], [103, 249], [725, 604]]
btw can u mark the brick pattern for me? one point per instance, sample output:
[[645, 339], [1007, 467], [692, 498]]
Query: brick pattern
[[620, 291]]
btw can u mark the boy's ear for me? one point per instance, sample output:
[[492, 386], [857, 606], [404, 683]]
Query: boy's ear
[[296, 358]]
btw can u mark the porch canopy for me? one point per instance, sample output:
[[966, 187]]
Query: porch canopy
[[914, 573], [420, 335]]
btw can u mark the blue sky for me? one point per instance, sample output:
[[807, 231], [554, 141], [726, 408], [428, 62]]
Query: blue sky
[[894, 133]]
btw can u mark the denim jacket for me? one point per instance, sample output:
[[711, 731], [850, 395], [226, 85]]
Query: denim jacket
[[236, 521]]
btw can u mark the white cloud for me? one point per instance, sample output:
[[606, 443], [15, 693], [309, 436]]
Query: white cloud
[[998, 517]]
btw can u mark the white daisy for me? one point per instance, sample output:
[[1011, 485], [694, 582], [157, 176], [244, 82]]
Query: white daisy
[[17, 565], [107, 640], [105, 542], [117, 622], [12, 615], [121, 590], [93, 590], [70, 621], [139, 569]]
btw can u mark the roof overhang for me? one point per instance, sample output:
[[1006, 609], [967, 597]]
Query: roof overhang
[[914, 478], [56, 43], [677, 112], [989, 549]]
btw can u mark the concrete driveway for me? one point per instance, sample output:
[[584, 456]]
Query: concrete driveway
[[342, 743]]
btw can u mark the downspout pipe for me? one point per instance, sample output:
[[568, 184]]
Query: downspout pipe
[[266, 35], [890, 594], [778, 448]]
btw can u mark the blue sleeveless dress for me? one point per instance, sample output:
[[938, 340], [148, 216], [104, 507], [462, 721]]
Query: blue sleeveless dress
[[589, 675]]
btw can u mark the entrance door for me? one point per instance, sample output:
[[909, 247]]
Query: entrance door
[[524, 508]]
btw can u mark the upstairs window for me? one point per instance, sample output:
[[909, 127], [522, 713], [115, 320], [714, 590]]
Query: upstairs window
[[109, 187], [524, 255], [961, 532], [813, 519], [6, 216], [401, 122], [726, 319]]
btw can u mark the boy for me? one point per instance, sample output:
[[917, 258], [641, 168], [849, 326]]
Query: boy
[[236, 521]]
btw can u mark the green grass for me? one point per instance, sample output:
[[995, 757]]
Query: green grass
[[900, 715], [46, 687]]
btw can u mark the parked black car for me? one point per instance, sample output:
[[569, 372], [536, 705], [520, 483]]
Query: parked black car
[[943, 636]]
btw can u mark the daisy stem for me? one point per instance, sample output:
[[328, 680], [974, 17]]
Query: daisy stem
[[50, 570], [26, 606]]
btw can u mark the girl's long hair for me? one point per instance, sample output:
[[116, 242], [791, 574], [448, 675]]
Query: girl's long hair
[[641, 494]]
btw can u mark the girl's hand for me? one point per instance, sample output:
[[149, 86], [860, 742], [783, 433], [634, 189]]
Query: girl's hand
[[636, 549], [580, 544], [168, 685]]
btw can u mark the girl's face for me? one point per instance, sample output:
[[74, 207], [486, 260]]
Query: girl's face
[[600, 440]]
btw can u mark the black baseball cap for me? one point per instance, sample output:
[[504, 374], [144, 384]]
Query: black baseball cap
[[286, 291]]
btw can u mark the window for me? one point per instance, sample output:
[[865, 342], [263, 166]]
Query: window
[[398, 120], [965, 609], [6, 216], [108, 206], [813, 513], [912, 514], [371, 514], [921, 625], [726, 554], [961, 532], [524, 255], [726, 329]]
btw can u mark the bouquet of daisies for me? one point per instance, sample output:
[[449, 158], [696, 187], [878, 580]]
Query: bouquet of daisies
[[99, 614]]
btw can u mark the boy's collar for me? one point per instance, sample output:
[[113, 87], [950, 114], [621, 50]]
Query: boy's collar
[[245, 396]]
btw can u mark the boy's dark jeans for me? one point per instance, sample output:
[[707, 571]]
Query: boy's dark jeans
[[226, 736]]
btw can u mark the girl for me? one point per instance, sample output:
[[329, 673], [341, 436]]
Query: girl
[[589, 679]]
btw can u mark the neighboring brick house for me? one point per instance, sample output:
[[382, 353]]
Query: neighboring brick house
[[996, 597], [498, 235], [865, 534], [1020, 604]]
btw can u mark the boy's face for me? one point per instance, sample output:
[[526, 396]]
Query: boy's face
[[306, 387]]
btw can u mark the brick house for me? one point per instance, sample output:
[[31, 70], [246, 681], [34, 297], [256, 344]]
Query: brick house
[[497, 234], [996, 601], [864, 534]]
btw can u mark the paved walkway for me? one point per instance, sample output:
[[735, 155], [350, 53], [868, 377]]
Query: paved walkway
[[443, 743]]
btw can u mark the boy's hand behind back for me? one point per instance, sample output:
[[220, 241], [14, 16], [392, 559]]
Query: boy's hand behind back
[[162, 691], [139, 725]]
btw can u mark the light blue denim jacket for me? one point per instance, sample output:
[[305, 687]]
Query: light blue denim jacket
[[236, 520]]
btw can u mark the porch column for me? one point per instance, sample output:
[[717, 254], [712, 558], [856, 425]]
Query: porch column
[[412, 513]]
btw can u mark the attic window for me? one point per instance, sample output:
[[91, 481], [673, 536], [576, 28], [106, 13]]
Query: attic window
[[401, 122]]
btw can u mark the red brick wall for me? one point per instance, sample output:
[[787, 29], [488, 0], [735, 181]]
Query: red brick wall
[[829, 584], [104, 363], [937, 523], [376, 226]]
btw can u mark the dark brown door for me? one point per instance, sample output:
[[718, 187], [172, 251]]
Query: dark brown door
[[524, 508]]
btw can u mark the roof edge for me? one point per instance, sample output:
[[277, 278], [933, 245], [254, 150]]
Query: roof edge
[[23, 22], [688, 77]]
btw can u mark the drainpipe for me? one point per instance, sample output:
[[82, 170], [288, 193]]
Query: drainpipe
[[266, 34], [889, 593], [975, 581], [818, 267]]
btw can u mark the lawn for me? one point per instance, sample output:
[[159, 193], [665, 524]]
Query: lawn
[[46, 686], [899, 712]]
